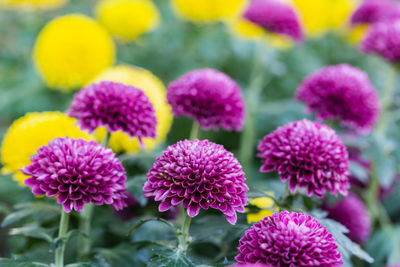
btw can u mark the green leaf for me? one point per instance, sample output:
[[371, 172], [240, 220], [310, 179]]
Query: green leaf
[[346, 246], [15, 217], [170, 258], [33, 231], [143, 221], [4, 262]]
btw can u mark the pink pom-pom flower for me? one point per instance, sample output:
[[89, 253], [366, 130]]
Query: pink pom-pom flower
[[341, 92], [289, 239], [209, 97], [77, 172], [199, 174], [307, 155]]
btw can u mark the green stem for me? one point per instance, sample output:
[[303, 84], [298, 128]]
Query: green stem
[[106, 139], [195, 132], [184, 238], [62, 234], [85, 227], [249, 133]]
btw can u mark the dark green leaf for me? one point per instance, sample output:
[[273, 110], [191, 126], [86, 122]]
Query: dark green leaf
[[4, 262]]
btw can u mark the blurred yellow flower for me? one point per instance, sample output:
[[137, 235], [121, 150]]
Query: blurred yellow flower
[[203, 11], [322, 16], [33, 4], [71, 50], [250, 31], [266, 206], [155, 90], [357, 32], [30, 132], [127, 19]]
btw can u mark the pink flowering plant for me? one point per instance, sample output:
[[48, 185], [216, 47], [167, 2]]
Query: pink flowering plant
[[228, 134]]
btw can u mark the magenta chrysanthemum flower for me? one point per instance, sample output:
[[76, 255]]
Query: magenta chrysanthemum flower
[[309, 155], [77, 172], [372, 11], [250, 265], [352, 213], [289, 239], [383, 39], [115, 106], [200, 174], [210, 97], [276, 17], [341, 92]]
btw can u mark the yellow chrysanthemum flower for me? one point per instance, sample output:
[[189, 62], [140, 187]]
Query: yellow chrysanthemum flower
[[71, 50], [203, 11], [357, 32], [127, 19], [29, 133], [321, 16], [33, 4], [155, 90], [266, 206], [250, 31]]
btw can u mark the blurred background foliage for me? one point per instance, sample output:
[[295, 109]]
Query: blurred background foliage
[[170, 50]]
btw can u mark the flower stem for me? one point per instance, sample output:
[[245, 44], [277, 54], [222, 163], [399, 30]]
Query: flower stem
[[85, 228], [195, 132], [249, 133], [184, 238], [62, 234]]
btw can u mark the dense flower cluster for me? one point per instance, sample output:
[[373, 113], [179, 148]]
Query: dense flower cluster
[[352, 213], [274, 16], [77, 172], [71, 50], [309, 155], [341, 92], [199, 174], [127, 19], [28, 133], [210, 97], [373, 11], [117, 107], [250, 265], [156, 92], [384, 39], [280, 240]]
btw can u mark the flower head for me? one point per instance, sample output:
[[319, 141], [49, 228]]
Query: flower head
[[372, 11], [322, 16], [289, 239], [28, 133], [250, 265], [274, 16], [71, 50], [341, 92], [383, 38], [352, 213], [127, 19], [157, 94], [206, 11], [117, 107], [77, 172], [210, 97], [199, 174], [309, 155], [33, 4]]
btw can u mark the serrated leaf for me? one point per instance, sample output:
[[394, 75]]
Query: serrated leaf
[[4, 262]]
